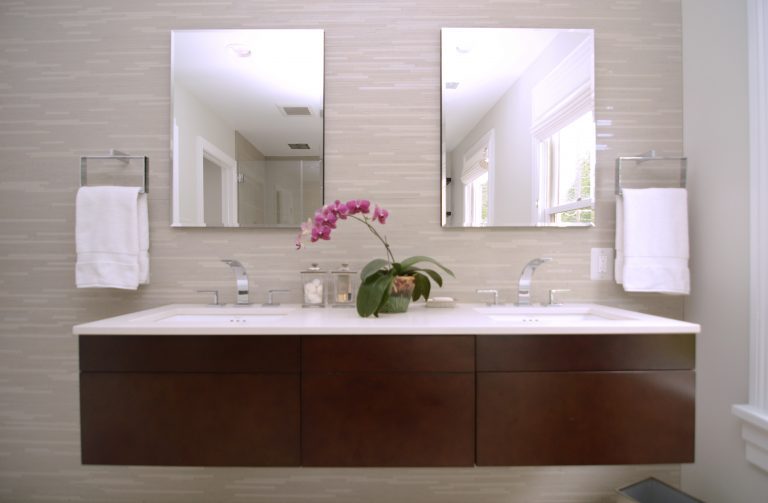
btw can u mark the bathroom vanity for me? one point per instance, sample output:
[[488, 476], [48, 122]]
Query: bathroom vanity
[[254, 386]]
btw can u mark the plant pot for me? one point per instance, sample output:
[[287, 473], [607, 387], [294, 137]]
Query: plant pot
[[399, 295]]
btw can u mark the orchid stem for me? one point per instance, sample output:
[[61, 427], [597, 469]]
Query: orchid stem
[[383, 240]]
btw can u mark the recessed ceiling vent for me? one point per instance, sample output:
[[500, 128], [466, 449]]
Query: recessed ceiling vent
[[292, 111], [298, 146]]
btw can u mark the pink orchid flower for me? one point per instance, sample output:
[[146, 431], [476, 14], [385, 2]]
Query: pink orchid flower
[[306, 229], [340, 209], [358, 206], [320, 232], [325, 220], [380, 214]]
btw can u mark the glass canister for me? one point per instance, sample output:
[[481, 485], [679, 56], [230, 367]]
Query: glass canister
[[344, 287], [313, 281]]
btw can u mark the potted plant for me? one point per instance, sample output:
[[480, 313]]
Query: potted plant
[[386, 285]]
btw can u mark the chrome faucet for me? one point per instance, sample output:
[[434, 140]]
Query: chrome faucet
[[526, 276], [241, 277]]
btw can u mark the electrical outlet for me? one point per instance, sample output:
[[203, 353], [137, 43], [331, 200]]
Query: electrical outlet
[[601, 264]]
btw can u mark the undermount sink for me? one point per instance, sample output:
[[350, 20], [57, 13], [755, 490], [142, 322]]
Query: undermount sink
[[550, 314], [225, 316], [547, 318]]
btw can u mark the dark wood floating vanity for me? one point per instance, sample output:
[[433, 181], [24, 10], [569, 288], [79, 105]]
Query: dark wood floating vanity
[[387, 400]]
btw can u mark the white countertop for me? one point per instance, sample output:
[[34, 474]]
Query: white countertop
[[291, 319]]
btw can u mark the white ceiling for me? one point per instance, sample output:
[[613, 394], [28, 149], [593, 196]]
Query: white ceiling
[[485, 62], [285, 68]]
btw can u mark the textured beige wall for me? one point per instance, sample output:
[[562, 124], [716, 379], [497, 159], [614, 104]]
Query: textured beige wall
[[83, 76]]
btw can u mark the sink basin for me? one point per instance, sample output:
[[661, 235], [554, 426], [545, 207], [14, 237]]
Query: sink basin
[[553, 315], [224, 316], [220, 319], [547, 318]]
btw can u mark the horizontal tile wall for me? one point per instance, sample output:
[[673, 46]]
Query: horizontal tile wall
[[84, 76]]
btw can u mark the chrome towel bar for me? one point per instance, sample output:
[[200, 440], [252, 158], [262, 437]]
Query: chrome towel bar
[[121, 156], [650, 156]]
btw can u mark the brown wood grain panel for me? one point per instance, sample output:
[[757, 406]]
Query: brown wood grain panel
[[216, 353], [389, 353], [388, 419], [585, 418], [585, 352], [190, 419]]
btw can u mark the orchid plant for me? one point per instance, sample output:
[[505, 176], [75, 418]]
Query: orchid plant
[[380, 277]]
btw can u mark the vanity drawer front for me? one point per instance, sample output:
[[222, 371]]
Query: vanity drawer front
[[190, 419], [585, 418], [522, 353], [218, 353], [388, 419], [389, 353]]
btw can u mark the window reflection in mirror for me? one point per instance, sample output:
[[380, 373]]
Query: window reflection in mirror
[[247, 127], [518, 129]]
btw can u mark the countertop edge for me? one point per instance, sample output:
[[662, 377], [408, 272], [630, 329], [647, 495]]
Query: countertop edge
[[462, 320]]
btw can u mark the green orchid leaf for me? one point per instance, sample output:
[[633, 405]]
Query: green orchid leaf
[[417, 285], [432, 274], [422, 288], [376, 275], [411, 261], [370, 295], [372, 267]]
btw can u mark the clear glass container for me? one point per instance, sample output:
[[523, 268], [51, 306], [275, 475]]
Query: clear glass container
[[344, 286], [314, 281]]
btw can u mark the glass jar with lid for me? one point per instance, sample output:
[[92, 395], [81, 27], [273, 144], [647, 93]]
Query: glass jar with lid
[[313, 281], [343, 287]]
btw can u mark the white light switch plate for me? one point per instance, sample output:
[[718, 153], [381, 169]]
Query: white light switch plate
[[602, 264]]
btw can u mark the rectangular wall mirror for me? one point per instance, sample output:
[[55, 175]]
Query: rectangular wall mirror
[[247, 127], [518, 127]]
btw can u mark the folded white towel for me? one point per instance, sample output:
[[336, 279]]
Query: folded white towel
[[143, 222], [112, 238], [618, 264], [655, 241]]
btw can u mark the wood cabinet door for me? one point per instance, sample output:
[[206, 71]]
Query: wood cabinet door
[[388, 400], [585, 418], [388, 419], [193, 419]]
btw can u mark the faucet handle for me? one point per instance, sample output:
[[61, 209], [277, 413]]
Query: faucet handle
[[495, 293], [215, 298], [270, 301], [552, 294]]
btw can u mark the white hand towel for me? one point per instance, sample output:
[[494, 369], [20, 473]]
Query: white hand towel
[[143, 222], [618, 264], [655, 237], [112, 238]]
